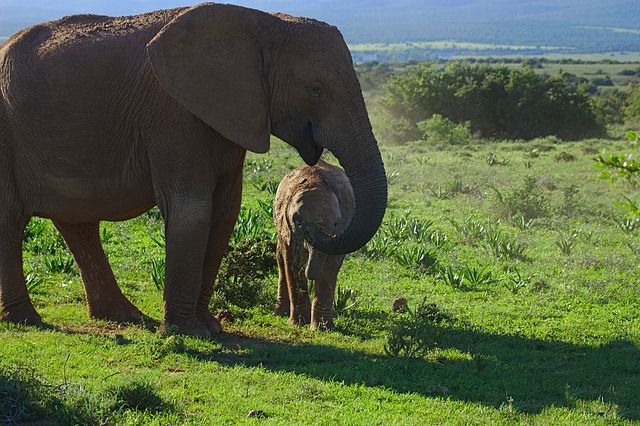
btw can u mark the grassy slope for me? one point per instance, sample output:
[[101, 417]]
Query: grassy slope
[[561, 349]]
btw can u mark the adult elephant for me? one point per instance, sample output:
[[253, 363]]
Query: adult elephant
[[102, 118]]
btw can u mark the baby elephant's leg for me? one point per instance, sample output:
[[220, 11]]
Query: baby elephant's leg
[[325, 286], [282, 304]]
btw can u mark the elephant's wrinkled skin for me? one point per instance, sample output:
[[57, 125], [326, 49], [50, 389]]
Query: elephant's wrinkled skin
[[102, 118], [311, 200]]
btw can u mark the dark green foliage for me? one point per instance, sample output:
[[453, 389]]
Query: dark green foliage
[[22, 396], [609, 106], [242, 275], [497, 101], [415, 332]]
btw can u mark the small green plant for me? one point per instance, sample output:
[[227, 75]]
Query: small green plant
[[452, 278], [503, 247], [521, 223], [471, 230], [105, 235], [526, 200], [159, 240], [438, 238], [629, 224], [448, 190], [344, 300], [566, 243], [515, 281], [565, 156], [59, 264], [415, 256], [380, 246], [158, 269], [477, 277], [492, 160], [34, 229], [391, 177], [33, 281], [253, 224], [269, 186]]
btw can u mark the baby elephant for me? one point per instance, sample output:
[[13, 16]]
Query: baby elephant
[[311, 201]]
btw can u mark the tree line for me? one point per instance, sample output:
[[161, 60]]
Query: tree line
[[496, 101]]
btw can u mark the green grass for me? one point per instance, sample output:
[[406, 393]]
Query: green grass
[[529, 333]]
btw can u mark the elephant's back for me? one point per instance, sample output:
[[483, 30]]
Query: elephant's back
[[97, 31]]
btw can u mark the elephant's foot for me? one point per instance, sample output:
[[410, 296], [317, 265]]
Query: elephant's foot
[[323, 324], [301, 319], [281, 309], [123, 311], [22, 313], [189, 328], [210, 321]]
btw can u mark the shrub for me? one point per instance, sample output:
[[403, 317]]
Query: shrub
[[526, 200], [439, 129], [242, 275], [415, 332], [496, 101]]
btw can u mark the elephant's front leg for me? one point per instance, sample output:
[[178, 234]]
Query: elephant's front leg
[[224, 214], [187, 229], [104, 298], [300, 308], [322, 306]]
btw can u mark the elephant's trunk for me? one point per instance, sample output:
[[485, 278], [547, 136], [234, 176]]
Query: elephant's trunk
[[315, 264], [363, 165]]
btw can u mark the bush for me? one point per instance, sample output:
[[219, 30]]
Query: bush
[[498, 102], [439, 129], [242, 279], [526, 200]]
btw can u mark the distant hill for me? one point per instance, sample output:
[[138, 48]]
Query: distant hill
[[570, 26]]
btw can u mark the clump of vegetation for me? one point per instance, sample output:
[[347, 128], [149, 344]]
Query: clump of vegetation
[[439, 129], [526, 200], [414, 332], [496, 101], [244, 273], [407, 241], [25, 397], [625, 166]]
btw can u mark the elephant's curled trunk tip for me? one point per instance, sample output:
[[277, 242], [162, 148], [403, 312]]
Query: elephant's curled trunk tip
[[370, 190]]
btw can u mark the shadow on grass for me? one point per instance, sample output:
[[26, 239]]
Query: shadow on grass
[[493, 370]]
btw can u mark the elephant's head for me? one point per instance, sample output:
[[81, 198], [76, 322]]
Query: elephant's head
[[315, 212], [249, 74]]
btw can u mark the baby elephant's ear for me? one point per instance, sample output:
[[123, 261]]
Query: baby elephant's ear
[[210, 60]]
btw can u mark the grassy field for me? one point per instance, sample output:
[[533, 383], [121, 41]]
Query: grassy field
[[522, 281]]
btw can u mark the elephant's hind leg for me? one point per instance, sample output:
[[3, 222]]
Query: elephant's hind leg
[[104, 298], [15, 304]]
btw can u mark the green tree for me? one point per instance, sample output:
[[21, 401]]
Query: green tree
[[496, 101], [625, 166]]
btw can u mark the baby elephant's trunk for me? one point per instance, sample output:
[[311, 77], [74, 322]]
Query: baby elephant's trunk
[[315, 264]]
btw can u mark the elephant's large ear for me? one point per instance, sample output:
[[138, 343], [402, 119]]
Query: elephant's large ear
[[209, 59]]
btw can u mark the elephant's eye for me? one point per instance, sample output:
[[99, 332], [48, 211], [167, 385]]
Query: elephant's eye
[[317, 89]]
